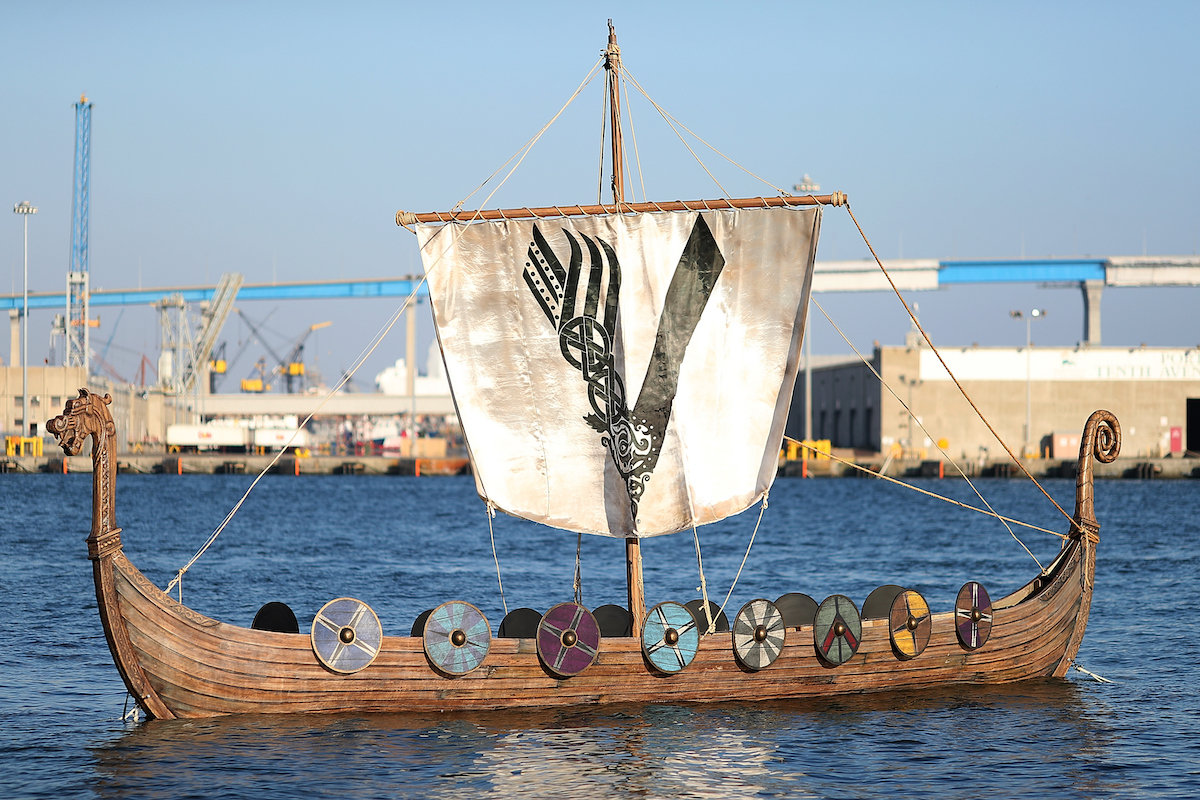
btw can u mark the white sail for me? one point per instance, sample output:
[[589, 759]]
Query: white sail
[[624, 375]]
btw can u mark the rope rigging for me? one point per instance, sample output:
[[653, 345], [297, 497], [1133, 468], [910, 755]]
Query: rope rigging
[[512, 164], [961, 472], [942, 361], [918, 489], [522, 152]]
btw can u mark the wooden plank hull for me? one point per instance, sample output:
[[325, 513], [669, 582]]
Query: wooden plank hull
[[196, 666], [178, 663]]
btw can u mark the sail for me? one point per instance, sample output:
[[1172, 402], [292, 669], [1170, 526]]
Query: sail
[[623, 375]]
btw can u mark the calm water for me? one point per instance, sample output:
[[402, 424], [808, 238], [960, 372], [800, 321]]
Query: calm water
[[406, 544]]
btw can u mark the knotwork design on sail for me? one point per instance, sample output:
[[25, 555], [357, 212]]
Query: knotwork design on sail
[[587, 338]]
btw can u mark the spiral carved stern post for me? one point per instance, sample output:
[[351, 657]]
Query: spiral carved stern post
[[1101, 442], [84, 416]]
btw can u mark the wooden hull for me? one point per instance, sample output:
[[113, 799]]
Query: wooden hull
[[179, 663]]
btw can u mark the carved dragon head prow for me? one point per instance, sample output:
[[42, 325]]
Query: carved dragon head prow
[[1101, 441], [83, 416]]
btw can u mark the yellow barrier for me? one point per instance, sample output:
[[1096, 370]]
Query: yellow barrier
[[16, 445], [813, 449]]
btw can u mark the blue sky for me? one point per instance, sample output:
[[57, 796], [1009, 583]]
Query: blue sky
[[278, 140]]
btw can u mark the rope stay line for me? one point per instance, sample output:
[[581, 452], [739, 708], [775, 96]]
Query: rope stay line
[[603, 139], [667, 115], [703, 582], [373, 344], [578, 582], [490, 509], [533, 140], [761, 510], [942, 361], [668, 119], [926, 492], [941, 450], [632, 132]]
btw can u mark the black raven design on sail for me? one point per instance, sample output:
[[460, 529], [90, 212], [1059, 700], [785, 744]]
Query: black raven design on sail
[[634, 436]]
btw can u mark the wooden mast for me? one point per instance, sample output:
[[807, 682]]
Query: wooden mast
[[612, 65]]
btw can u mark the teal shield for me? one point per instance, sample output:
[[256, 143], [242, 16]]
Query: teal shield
[[669, 637], [457, 637]]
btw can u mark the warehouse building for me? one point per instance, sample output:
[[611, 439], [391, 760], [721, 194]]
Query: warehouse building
[[1154, 392]]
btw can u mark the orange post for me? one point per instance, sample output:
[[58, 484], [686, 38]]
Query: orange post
[[179, 466], [64, 465], [296, 464], [941, 469], [418, 467]]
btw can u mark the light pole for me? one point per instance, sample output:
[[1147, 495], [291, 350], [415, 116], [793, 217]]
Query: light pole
[[25, 209], [1036, 313], [911, 414]]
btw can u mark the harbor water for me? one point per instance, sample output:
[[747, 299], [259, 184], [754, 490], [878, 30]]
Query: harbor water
[[405, 544]]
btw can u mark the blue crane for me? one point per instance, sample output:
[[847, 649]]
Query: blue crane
[[77, 322]]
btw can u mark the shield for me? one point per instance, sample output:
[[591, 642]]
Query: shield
[[457, 637], [568, 639], [346, 635], [973, 615], [837, 629], [669, 637], [911, 624], [758, 634]]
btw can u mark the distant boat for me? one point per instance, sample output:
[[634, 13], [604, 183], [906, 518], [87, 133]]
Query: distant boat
[[620, 370]]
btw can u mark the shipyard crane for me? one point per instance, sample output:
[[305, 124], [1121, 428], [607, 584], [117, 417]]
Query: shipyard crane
[[293, 366], [76, 324], [212, 320], [252, 383], [219, 365], [290, 367], [257, 382]]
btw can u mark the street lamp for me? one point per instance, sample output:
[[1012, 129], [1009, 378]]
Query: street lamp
[[25, 209], [911, 415], [1036, 313]]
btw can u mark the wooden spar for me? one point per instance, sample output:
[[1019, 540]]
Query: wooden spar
[[409, 218], [633, 577], [612, 64]]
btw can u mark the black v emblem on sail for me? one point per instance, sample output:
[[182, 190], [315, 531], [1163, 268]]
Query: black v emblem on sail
[[634, 437]]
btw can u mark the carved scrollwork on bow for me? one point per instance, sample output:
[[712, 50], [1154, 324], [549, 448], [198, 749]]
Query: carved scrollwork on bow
[[84, 416]]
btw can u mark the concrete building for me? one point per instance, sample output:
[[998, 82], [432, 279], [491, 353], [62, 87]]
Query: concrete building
[[1155, 393], [141, 414]]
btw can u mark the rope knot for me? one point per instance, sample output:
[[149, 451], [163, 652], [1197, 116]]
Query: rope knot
[[406, 218]]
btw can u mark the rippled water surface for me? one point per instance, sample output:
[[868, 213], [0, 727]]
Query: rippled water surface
[[406, 544]]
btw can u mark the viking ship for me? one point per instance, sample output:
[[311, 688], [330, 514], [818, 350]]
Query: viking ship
[[622, 370]]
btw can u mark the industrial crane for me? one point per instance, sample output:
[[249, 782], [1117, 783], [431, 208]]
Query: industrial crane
[[290, 367], [293, 366]]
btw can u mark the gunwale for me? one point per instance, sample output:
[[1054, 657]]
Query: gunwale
[[198, 666]]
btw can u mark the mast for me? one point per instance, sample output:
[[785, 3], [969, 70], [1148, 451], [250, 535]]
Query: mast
[[612, 66]]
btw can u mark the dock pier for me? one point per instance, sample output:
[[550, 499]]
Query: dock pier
[[241, 463]]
